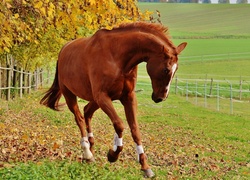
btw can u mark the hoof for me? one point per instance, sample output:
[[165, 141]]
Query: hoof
[[148, 173], [111, 156]]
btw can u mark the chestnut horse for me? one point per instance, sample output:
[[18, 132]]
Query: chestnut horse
[[103, 68]]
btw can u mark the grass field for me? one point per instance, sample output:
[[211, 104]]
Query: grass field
[[181, 141], [203, 20]]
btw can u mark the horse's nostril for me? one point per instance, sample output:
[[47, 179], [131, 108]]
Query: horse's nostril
[[158, 100]]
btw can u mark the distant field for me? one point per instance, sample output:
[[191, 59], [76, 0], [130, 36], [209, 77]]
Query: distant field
[[197, 47], [203, 20]]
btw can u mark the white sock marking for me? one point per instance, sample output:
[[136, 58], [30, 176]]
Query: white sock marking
[[87, 154], [117, 142], [139, 150], [90, 134]]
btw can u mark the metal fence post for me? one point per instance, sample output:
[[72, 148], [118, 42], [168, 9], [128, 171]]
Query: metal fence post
[[205, 94]]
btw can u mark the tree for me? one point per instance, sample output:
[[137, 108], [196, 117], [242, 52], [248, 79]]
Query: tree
[[206, 1], [34, 30], [242, 1], [224, 2]]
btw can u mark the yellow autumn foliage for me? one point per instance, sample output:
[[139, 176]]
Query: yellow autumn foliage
[[43, 26]]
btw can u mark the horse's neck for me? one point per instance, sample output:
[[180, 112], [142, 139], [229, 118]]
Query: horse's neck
[[145, 46]]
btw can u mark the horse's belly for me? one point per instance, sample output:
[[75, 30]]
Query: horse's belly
[[79, 87]]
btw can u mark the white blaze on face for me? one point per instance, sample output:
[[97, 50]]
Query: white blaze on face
[[174, 68]]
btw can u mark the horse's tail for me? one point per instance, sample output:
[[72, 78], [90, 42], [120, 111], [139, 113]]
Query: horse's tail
[[53, 95]]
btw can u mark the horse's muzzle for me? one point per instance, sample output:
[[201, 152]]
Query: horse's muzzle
[[157, 99]]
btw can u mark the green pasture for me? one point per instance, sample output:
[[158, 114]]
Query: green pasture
[[191, 20], [199, 47]]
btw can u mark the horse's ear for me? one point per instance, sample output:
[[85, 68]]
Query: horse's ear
[[181, 47]]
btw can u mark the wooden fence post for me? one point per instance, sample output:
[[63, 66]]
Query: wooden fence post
[[8, 82], [14, 80], [29, 82], [41, 77], [24, 82], [36, 79], [21, 83]]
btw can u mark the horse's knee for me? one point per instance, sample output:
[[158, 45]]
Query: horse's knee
[[119, 127]]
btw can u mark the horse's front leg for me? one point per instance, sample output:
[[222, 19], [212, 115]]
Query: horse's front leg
[[130, 105], [105, 103], [89, 110]]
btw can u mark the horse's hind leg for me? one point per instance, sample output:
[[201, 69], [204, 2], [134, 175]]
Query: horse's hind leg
[[71, 101], [89, 110]]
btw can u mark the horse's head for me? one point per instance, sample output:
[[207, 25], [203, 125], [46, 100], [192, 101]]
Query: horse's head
[[161, 69]]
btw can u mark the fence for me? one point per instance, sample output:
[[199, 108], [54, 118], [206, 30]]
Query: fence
[[216, 93], [229, 94], [216, 57], [15, 81], [221, 95]]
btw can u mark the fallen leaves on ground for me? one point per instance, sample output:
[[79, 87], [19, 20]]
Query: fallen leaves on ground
[[26, 136]]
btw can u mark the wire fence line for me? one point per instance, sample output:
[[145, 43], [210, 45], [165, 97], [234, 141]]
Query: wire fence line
[[221, 95], [215, 57], [16, 81]]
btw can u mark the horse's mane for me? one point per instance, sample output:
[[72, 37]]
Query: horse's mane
[[153, 28], [143, 26]]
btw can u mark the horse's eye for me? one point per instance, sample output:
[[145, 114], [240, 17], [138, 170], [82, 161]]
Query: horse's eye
[[166, 56], [166, 70]]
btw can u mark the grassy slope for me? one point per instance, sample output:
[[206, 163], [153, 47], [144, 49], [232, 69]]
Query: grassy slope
[[203, 20]]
